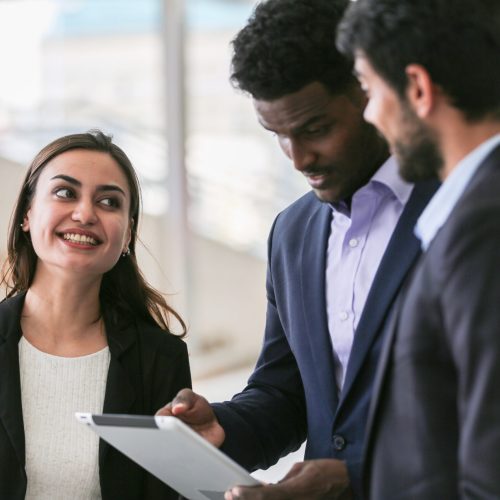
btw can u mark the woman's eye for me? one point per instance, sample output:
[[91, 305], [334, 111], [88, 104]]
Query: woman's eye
[[109, 202], [64, 193]]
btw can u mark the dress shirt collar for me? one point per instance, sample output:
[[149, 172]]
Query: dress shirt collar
[[387, 177], [446, 197]]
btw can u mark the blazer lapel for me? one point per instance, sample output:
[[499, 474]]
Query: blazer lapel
[[384, 359], [397, 261], [11, 413], [315, 246], [120, 390]]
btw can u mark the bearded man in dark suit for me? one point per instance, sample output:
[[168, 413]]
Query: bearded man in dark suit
[[431, 70]]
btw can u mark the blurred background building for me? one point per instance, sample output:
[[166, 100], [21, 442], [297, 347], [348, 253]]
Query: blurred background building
[[154, 74]]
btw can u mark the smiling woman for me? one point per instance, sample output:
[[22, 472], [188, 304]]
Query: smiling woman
[[81, 330], [80, 220]]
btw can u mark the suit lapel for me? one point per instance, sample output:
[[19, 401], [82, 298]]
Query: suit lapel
[[11, 413], [384, 360], [313, 264], [397, 261]]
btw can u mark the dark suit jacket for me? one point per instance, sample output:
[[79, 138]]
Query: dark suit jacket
[[147, 368], [292, 393], [435, 422]]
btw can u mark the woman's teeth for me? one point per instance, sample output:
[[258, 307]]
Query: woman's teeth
[[79, 238]]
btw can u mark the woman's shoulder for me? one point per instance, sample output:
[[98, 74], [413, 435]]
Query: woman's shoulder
[[10, 312], [12, 304]]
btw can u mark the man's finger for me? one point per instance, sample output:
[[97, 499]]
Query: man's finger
[[294, 471], [165, 411], [185, 397], [264, 492], [183, 401]]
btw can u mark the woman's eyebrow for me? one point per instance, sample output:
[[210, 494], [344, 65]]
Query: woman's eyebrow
[[76, 182], [110, 187], [67, 178]]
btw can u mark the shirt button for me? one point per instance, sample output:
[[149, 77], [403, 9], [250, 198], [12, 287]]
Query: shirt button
[[343, 315], [338, 442], [353, 243]]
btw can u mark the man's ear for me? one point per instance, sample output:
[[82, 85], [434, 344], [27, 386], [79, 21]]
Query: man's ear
[[420, 91]]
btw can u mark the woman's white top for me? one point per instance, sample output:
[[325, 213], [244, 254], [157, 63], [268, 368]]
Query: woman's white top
[[61, 453]]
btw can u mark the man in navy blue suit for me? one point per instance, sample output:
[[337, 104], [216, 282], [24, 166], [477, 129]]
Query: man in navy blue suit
[[336, 257]]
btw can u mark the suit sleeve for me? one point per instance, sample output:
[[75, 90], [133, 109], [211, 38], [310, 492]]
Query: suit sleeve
[[267, 419], [471, 313]]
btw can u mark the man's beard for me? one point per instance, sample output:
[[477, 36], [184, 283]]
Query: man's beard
[[418, 152]]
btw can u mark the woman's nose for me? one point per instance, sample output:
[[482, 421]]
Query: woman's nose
[[84, 212]]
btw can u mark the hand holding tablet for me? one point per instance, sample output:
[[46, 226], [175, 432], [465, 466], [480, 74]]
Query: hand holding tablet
[[195, 411]]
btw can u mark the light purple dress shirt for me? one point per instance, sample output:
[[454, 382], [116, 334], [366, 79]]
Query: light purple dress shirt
[[357, 242]]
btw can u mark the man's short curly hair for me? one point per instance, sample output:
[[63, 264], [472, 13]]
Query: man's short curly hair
[[288, 44]]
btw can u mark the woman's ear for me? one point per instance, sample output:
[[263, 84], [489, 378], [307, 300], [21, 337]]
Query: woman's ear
[[25, 226], [129, 234], [420, 91]]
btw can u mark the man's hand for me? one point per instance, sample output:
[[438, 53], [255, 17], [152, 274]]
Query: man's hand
[[323, 479], [195, 411]]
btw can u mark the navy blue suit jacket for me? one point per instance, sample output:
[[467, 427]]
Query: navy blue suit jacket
[[292, 393]]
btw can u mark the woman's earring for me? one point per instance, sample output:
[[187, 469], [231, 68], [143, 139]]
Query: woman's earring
[[126, 253]]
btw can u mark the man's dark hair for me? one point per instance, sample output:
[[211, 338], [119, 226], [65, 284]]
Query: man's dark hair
[[458, 42], [288, 44]]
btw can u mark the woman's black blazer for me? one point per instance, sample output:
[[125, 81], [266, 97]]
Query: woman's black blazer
[[147, 368]]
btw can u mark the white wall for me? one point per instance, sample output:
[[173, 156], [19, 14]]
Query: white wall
[[11, 176]]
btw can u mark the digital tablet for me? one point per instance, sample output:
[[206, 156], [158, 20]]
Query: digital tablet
[[172, 452]]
